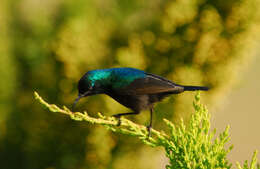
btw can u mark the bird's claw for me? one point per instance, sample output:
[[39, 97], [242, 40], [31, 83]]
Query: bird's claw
[[118, 118], [149, 130]]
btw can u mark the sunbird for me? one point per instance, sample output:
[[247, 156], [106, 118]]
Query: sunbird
[[133, 88]]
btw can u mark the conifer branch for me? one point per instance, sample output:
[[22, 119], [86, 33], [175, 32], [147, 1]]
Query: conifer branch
[[187, 146], [126, 126]]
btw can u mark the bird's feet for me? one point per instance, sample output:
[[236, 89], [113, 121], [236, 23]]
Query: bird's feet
[[149, 130], [117, 116]]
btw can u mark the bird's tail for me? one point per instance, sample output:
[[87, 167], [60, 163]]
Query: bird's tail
[[193, 88]]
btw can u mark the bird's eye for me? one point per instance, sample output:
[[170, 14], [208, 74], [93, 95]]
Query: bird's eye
[[95, 86], [83, 87]]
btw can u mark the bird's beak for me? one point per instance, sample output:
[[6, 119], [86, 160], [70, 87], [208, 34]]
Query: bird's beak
[[78, 98]]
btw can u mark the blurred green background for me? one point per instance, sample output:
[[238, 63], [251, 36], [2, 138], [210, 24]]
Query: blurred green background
[[48, 45]]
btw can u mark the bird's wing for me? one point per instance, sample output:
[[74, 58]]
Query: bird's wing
[[151, 84]]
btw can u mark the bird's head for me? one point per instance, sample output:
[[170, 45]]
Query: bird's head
[[87, 86]]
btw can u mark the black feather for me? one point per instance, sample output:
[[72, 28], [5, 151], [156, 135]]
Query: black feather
[[132, 88], [193, 88]]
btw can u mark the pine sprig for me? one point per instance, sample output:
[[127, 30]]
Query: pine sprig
[[126, 127], [187, 146]]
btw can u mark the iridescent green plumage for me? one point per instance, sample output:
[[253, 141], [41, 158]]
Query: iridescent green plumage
[[114, 77]]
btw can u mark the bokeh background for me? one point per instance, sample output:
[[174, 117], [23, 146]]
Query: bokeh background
[[48, 45]]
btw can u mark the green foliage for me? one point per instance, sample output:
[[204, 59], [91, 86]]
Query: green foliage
[[253, 164], [187, 146], [48, 45], [193, 146]]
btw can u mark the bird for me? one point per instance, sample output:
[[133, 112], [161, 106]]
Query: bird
[[132, 88]]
